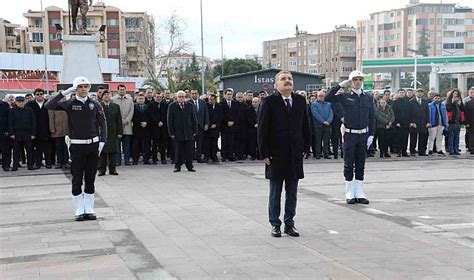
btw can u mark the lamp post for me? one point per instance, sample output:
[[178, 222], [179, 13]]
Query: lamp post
[[222, 56], [415, 58], [203, 82], [44, 48]]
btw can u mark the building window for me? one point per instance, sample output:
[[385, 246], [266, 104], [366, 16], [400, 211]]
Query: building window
[[448, 33], [274, 55], [112, 22], [313, 42], [54, 21], [451, 46], [36, 37], [461, 34], [133, 22], [37, 22], [292, 63], [54, 37], [37, 50], [132, 36], [292, 54], [313, 62], [56, 51], [113, 37], [292, 45], [113, 51]]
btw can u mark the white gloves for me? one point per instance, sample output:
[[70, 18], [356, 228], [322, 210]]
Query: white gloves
[[344, 84], [68, 91], [369, 141], [101, 146]]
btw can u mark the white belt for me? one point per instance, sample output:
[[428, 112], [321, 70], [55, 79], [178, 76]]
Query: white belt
[[85, 141], [357, 131]]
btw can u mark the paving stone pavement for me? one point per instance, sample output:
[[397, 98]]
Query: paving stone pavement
[[213, 224]]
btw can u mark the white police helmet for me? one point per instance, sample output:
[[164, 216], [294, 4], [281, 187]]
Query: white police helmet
[[80, 81], [355, 74]]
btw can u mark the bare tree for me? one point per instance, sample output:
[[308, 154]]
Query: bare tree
[[173, 27], [147, 46]]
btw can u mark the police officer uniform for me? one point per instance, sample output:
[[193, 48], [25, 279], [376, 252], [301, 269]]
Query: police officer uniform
[[88, 133], [359, 124]]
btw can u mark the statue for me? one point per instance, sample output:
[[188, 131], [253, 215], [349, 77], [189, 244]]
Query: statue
[[75, 5]]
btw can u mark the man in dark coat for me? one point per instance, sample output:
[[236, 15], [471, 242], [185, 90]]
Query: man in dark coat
[[202, 115], [251, 120], [401, 109], [5, 141], [155, 113], [167, 145], [182, 128], [230, 111], [113, 118], [419, 123], [212, 134], [284, 136], [22, 130], [469, 120], [240, 139], [42, 143], [141, 133], [336, 135]]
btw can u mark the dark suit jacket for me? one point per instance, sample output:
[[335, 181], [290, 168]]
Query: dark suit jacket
[[155, 112], [113, 118], [229, 114], [241, 122], [420, 115], [215, 117], [202, 115], [251, 120], [401, 109], [138, 117], [42, 120], [283, 136], [182, 123], [164, 115]]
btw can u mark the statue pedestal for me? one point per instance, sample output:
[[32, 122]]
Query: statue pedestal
[[80, 59]]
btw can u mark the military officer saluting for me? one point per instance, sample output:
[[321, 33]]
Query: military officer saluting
[[88, 133], [359, 133]]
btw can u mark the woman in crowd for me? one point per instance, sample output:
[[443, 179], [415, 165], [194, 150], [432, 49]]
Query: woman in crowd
[[384, 118]]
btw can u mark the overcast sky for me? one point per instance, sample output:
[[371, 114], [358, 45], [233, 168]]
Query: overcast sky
[[244, 24]]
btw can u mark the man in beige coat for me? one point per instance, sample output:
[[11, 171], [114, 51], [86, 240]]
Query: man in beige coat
[[126, 109], [58, 126]]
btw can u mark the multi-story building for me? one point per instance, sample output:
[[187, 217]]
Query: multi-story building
[[8, 36], [166, 65], [129, 36], [446, 29], [332, 54]]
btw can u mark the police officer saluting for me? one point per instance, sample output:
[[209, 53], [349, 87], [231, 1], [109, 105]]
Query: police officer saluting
[[359, 130], [88, 133]]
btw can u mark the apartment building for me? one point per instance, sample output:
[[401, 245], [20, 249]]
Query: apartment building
[[129, 36], [447, 28], [332, 54], [8, 37]]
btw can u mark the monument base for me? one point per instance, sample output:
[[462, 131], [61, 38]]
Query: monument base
[[80, 59]]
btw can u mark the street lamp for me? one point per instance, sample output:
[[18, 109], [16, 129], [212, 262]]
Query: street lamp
[[415, 57], [203, 82]]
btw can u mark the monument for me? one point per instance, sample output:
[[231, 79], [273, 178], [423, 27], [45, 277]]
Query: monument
[[79, 51]]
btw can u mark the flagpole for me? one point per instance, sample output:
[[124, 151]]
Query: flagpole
[[44, 48]]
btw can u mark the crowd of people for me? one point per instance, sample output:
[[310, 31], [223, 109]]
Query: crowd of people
[[146, 127]]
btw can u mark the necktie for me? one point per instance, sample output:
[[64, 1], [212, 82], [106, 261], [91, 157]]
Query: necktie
[[197, 105], [181, 105], [288, 105], [228, 103], [419, 101]]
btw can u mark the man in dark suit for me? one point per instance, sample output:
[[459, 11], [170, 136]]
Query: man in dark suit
[[202, 115], [182, 128], [284, 136], [113, 117], [167, 144], [5, 141], [241, 126], [252, 124], [230, 111], [155, 109], [141, 133], [401, 110], [419, 123], [42, 143], [212, 134]]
